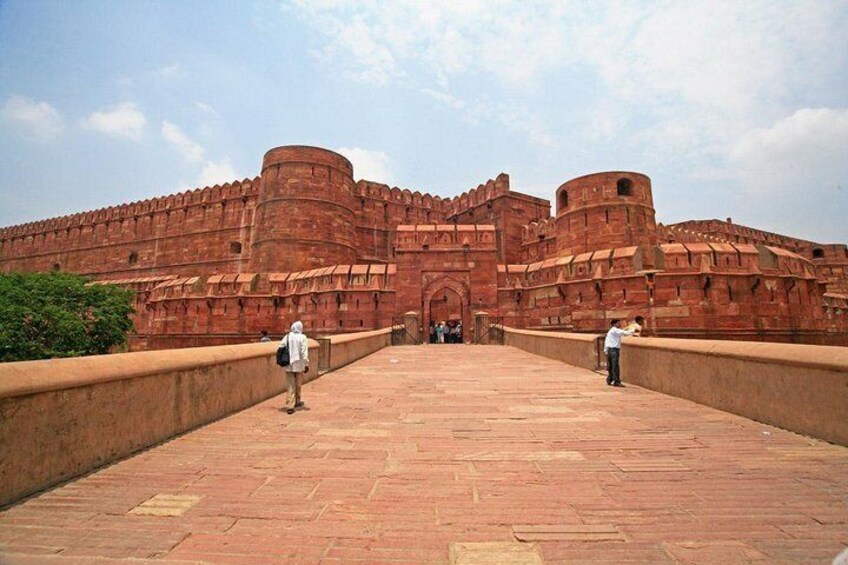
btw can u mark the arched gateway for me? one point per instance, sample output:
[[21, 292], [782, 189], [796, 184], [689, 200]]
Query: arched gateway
[[446, 299], [437, 267]]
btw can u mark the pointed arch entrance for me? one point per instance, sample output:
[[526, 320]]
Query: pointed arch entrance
[[446, 299], [445, 305]]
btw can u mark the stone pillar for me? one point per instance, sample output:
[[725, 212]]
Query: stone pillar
[[481, 328], [413, 332]]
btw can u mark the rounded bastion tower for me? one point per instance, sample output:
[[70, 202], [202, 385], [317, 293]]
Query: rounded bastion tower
[[304, 215], [604, 211]]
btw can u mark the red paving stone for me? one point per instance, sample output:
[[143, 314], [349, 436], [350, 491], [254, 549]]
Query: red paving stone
[[427, 454]]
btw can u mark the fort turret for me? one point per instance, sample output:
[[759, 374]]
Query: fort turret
[[604, 211], [304, 212]]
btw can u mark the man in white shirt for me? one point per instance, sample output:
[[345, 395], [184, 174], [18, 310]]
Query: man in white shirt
[[612, 348]]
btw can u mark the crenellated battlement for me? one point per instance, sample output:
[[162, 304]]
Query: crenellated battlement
[[246, 188], [538, 229], [480, 195], [402, 197]]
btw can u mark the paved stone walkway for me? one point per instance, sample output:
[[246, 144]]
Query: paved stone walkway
[[454, 454]]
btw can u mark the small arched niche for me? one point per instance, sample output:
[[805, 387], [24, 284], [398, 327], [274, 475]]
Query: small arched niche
[[818, 253], [563, 200], [624, 187]]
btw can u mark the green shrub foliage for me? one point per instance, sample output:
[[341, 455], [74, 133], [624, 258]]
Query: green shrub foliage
[[44, 315]]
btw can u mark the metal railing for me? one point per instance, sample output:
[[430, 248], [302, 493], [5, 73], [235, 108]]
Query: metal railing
[[400, 335], [492, 334], [600, 357]]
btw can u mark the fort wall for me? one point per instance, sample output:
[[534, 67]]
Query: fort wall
[[538, 240], [831, 259], [381, 209], [234, 308], [696, 290], [494, 203], [206, 230], [304, 241]]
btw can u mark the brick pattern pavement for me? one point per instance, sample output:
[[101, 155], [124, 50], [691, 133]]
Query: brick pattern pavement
[[454, 454]]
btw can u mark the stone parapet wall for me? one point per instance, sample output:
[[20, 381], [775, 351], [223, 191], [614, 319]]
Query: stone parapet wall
[[347, 348], [802, 388], [65, 417], [580, 350]]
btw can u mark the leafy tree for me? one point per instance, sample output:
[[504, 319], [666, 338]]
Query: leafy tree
[[44, 315]]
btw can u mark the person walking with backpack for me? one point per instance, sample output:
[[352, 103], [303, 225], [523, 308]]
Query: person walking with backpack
[[297, 345]]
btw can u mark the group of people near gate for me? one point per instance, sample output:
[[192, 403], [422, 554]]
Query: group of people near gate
[[296, 346], [446, 332]]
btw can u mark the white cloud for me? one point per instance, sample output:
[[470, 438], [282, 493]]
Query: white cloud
[[168, 71], [37, 120], [695, 91], [444, 97], [370, 165], [189, 149], [376, 43], [216, 172], [204, 107], [807, 150], [709, 68], [212, 172], [124, 120], [526, 122], [795, 171]]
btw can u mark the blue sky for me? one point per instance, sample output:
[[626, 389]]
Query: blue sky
[[734, 109]]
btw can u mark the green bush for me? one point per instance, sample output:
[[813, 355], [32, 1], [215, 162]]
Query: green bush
[[44, 315]]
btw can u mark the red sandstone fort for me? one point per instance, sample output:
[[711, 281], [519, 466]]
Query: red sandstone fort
[[303, 240]]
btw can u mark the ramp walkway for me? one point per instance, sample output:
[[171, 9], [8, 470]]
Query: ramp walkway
[[453, 454]]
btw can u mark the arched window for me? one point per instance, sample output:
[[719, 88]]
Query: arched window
[[818, 253], [133, 258], [563, 200], [235, 247], [625, 187]]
